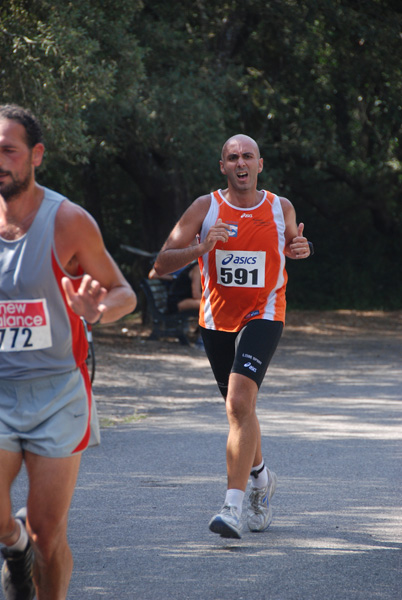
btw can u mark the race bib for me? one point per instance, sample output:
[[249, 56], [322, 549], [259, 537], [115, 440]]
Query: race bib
[[24, 325], [240, 268]]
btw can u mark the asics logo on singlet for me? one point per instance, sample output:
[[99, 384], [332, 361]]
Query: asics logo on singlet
[[239, 260], [246, 216]]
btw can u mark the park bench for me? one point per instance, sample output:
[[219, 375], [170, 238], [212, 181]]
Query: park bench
[[164, 324]]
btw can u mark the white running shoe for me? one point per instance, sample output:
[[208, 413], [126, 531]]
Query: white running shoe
[[226, 522], [259, 511]]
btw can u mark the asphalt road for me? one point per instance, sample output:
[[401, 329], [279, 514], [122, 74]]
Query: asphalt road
[[330, 413]]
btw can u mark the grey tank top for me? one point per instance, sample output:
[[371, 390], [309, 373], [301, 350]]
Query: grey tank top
[[39, 334]]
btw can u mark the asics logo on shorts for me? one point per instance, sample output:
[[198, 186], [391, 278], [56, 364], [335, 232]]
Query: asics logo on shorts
[[248, 365]]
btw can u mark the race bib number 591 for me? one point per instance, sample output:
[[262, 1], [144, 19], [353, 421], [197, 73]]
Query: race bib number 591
[[24, 325], [240, 268]]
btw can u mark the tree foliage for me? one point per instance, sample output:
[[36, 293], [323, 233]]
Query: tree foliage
[[137, 99]]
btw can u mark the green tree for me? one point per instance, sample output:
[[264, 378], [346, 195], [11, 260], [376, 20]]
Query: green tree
[[77, 66], [138, 98]]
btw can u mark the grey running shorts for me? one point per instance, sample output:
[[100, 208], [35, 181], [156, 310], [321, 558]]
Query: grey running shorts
[[248, 351], [50, 416]]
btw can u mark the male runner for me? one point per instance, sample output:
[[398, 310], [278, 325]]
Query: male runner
[[54, 269], [245, 235]]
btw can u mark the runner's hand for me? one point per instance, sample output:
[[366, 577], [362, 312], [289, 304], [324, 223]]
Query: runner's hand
[[298, 247], [87, 300], [218, 233]]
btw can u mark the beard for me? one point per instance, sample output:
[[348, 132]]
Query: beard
[[17, 186]]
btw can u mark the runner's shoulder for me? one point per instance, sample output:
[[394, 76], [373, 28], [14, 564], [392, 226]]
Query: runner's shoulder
[[72, 217], [286, 205], [199, 208]]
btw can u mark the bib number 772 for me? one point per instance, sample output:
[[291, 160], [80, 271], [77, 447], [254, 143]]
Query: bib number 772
[[24, 325], [19, 339]]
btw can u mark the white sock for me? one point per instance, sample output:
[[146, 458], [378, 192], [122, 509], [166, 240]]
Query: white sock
[[261, 479], [22, 541], [235, 498]]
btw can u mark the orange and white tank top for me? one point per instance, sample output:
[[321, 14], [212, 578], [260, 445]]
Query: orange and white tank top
[[244, 278]]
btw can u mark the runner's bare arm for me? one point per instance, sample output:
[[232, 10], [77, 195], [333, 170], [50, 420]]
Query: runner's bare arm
[[177, 251], [296, 245], [104, 290]]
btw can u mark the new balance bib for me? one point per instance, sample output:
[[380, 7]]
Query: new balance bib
[[39, 334]]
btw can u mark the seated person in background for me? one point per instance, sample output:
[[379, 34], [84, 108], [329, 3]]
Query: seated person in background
[[184, 287], [185, 291], [167, 278]]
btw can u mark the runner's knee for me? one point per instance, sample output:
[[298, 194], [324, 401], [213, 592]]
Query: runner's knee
[[48, 535], [239, 406], [8, 527]]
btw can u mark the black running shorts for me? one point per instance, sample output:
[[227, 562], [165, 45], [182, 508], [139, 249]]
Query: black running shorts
[[247, 352]]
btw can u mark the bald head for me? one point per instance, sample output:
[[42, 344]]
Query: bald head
[[240, 138]]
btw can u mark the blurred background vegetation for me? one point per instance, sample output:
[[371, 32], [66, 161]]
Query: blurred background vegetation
[[136, 99]]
